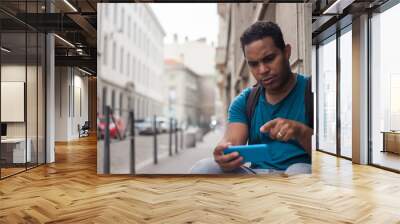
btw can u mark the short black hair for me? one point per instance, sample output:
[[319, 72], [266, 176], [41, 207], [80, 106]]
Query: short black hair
[[261, 29]]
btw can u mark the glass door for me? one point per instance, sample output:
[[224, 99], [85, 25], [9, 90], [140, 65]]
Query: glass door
[[345, 42], [385, 89], [326, 135]]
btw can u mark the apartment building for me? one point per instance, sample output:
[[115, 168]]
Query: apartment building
[[130, 60]]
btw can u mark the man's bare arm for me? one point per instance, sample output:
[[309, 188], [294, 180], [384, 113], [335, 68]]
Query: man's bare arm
[[305, 138], [235, 134]]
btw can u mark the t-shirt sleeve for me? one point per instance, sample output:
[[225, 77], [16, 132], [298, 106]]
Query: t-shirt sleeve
[[237, 109]]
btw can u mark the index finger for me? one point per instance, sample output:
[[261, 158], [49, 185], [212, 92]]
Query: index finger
[[268, 126]]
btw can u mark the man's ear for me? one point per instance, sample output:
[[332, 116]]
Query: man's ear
[[288, 51]]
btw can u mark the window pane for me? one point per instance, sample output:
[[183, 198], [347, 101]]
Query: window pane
[[327, 96], [385, 84], [345, 94], [13, 83]]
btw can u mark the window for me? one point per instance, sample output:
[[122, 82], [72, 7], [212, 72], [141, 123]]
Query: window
[[105, 50], [146, 76], [141, 71], [121, 68], [113, 100], [106, 6], [104, 99], [114, 58], [128, 64], [115, 14], [134, 32], [385, 88], [327, 95], [139, 38], [121, 98], [134, 69], [136, 106], [122, 20], [129, 27], [346, 93]]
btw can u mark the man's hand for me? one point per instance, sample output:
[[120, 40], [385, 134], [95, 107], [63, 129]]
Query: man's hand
[[284, 130], [227, 162]]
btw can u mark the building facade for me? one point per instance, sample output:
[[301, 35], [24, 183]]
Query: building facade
[[234, 75], [130, 61], [183, 93], [199, 57]]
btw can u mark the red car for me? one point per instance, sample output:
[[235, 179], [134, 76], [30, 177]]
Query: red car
[[116, 127]]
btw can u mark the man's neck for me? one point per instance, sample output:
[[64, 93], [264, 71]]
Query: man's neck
[[276, 97]]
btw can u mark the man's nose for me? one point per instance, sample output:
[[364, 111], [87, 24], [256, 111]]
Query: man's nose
[[263, 68]]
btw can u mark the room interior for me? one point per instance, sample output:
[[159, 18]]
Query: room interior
[[22, 101], [338, 190]]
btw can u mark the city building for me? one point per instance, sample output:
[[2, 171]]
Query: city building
[[293, 18], [349, 57], [130, 60], [199, 57], [183, 93]]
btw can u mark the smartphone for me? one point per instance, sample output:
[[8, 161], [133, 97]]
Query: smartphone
[[250, 153]]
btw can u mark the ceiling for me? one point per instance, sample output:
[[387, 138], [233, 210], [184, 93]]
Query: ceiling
[[74, 22], [330, 15]]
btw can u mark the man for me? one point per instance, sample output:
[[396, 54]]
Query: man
[[279, 118]]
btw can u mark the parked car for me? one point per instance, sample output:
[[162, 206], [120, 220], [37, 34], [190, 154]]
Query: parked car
[[163, 124], [119, 124], [144, 126]]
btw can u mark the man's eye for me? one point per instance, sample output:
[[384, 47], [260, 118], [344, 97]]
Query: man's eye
[[252, 63], [268, 59]]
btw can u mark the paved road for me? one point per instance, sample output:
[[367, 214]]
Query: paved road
[[144, 152], [176, 164], [182, 162]]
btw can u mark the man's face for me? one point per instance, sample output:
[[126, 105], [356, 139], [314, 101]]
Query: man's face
[[268, 64]]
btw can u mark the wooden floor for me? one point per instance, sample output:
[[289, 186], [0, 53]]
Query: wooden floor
[[388, 159], [69, 191], [10, 171]]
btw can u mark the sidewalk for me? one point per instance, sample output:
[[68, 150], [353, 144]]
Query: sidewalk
[[186, 158]]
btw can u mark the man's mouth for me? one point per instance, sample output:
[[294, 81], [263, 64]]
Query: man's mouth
[[268, 80]]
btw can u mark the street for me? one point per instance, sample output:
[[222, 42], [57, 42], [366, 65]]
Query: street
[[144, 154], [181, 163]]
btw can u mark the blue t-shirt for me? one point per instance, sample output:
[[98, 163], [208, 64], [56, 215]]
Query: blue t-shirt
[[280, 154]]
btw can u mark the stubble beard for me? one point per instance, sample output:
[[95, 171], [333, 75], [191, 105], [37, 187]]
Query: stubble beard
[[284, 82]]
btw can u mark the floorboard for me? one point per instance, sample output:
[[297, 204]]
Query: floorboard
[[70, 191]]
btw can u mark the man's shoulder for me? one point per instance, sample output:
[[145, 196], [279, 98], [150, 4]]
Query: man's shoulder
[[303, 77], [244, 93], [241, 99], [237, 109]]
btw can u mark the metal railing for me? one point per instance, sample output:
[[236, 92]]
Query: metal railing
[[110, 121]]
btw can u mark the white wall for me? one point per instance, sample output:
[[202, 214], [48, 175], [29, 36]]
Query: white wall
[[17, 73], [67, 115], [33, 125]]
